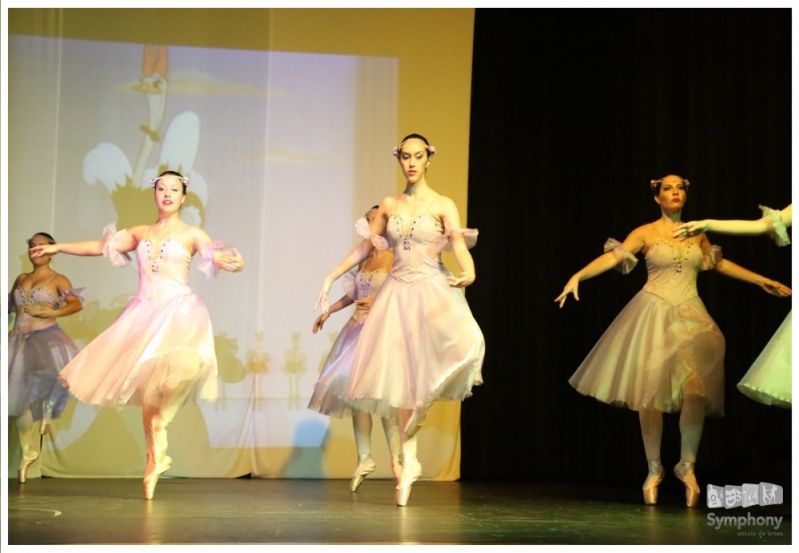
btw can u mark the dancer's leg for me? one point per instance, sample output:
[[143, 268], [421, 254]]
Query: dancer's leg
[[30, 440], [652, 434], [411, 468], [362, 427], [692, 420]]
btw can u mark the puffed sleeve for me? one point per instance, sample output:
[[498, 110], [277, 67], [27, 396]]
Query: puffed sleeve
[[363, 230], [712, 257], [206, 262], [444, 242], [777, 230], [109, 242], [79, 293], [626, 261]]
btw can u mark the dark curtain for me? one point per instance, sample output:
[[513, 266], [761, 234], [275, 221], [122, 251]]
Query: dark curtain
[[573, 112]]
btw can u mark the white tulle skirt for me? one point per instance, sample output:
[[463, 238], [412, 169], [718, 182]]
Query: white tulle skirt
[[650, 351]]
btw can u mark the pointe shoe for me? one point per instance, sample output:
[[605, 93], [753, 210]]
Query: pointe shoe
[[653, 480], [684, 471], [24, 465], [45, 427], [151, 474], [411, 471], [364, 469]]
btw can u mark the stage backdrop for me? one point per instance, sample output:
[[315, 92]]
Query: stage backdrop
[[284, 121]]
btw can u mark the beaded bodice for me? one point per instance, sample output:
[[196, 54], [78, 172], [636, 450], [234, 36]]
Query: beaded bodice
[[163, 269], [416, 246], [672, 268]]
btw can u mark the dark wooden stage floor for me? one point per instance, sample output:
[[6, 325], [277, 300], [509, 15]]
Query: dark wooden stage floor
[[254, 511]]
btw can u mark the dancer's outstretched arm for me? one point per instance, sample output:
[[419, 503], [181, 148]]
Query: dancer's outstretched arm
[[632, 244], [733, 226]]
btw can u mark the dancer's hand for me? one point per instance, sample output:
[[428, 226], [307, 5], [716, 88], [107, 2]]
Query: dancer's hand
[[462, 281], [320, 322], [43, 249], [775, 288], [321, 299], [229, 260], [572, 287], [691, 228]]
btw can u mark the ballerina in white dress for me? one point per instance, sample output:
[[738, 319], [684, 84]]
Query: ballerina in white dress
[[330, 393], [420, 342], [159, 352], [663, 353]]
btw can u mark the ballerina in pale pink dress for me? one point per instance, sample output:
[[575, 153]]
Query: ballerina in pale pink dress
[[330, 393], [420, 342], [768, 380], [38, 349], [663, 353], [159, 352]]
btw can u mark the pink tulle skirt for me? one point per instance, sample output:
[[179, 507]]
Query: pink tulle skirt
[[330, 393], [147, 350], [651, 351], [419, 344]]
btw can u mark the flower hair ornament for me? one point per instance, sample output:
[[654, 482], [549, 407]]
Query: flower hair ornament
[[431, 150], [154, 181], [654, 183]]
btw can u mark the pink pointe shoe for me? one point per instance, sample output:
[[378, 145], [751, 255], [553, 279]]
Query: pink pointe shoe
[[411, 471], [364, 469], [151, 474], [684, 471], [653, 480]]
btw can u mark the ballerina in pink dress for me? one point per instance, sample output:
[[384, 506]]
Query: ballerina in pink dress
[[768, 380], [330, 393], [159, 352], [37, 350], [420, 342], [663, 353]]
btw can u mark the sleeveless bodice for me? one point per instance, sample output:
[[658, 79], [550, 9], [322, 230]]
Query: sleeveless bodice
[[416, 245], [163, 270], [672, 268], [24, 323]]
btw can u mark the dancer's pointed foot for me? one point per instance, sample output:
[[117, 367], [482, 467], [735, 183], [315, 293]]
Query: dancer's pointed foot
[[411, 471], [25, 464], [151, 474], [653, 480], [364, 469], [684, 471]]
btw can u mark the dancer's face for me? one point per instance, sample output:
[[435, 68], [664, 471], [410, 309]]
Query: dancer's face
[[38, 240], [413, 160], [672, 195], [169, 194]]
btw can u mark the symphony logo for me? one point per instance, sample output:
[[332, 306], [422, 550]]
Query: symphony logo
[[745, 495], [742, 522]]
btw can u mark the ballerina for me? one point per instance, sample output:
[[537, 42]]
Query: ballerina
[[663, 353], [159, 352], [38, 349], [420, 342], [330, 393]]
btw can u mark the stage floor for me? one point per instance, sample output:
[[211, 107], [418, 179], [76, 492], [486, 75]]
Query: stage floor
[[255, 511]]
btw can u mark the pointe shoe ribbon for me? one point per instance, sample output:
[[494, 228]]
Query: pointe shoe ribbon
[[151, 474], [411, 471], [684, 471], [364, 468]]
